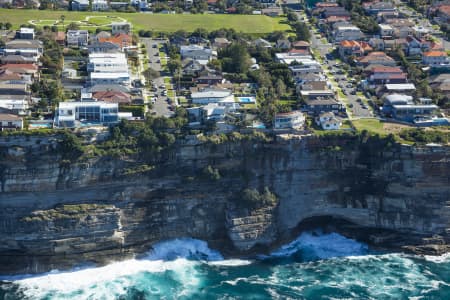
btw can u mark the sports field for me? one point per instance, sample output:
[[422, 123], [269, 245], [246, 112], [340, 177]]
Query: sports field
[[253, 24]]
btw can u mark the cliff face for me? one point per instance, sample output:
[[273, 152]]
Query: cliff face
[[55, 214]]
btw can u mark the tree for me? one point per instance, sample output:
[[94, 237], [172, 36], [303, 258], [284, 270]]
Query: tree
[[236, 58], [174, 66], [8, 25], [73, 26], [280, 87], [302, 31], [150, 74]]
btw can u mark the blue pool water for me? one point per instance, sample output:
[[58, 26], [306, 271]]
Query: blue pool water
[[246, 99]]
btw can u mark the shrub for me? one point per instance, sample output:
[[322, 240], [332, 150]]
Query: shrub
[[252, 199]]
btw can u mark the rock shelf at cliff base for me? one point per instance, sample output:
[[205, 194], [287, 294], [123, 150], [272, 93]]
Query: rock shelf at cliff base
[[241, 197]]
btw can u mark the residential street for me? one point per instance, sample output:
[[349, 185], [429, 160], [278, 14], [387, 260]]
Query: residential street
[[161, 105], [357, 106]]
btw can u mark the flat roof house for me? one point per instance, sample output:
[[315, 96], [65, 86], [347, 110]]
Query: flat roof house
[[196, 52], [122, 78], [409, 113], [294, 119], [347, 32], [107, 62], [100, 5], [73, 114], [77, 38], [26, 33], [212, 96]]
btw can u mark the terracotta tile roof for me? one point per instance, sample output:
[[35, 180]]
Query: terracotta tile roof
[[383, 69], [435, 53], [60, 36], [120, 39], [300, 44], [299, 51], [112, 96], [445, 9], [32, 67]]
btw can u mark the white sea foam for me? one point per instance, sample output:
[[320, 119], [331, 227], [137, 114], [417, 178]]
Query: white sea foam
[[322, 246], [438, 259], [232, 262], [184, 248], [177, 255]]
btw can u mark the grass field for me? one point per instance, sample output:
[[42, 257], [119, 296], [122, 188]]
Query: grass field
[[371, 125], [253, 24]]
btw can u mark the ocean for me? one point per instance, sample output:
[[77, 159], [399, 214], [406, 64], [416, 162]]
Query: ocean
[[314, 266]]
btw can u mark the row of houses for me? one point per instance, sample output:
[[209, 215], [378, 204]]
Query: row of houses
[[108, 82], [19, 69], [381, 72]]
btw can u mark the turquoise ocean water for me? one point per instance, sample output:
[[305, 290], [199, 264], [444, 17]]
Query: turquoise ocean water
[[314, 266]]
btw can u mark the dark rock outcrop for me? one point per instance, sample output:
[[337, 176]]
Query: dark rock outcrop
[[55, 214]]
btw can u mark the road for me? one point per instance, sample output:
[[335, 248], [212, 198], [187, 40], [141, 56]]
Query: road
[[332, 67], [161, 106]]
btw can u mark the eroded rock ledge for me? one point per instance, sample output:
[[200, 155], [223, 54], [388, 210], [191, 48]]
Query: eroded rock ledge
[[55, 215]]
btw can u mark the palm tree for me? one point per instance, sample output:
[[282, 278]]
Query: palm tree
[[62, 18]]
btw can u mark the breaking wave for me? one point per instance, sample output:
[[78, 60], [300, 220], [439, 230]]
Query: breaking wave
[[302, 269]]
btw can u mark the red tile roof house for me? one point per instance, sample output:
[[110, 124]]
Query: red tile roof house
[[112, 97], [383, 74], [435, 58], [122, 40], [376, 58], [353, 48], [22, 69], [443, 12]]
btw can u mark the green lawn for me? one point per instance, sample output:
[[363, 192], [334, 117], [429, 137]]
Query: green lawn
[[254, 24], [371, 125]]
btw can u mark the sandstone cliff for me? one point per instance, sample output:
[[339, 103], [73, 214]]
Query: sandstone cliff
[[55, 214]]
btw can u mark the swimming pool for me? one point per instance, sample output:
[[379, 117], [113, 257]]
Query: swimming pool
[[247, 99], [39, 125]]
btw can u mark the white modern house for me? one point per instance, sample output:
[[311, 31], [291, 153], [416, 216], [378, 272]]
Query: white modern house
[[77, 38], [73, 114], [107, 62], [305, 67], [328, 121], [288, 58], [122, 78], [196, 52], [294, 119], [17, 103], [347, 32], [26, 33], [100, 5], [213, 96]]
